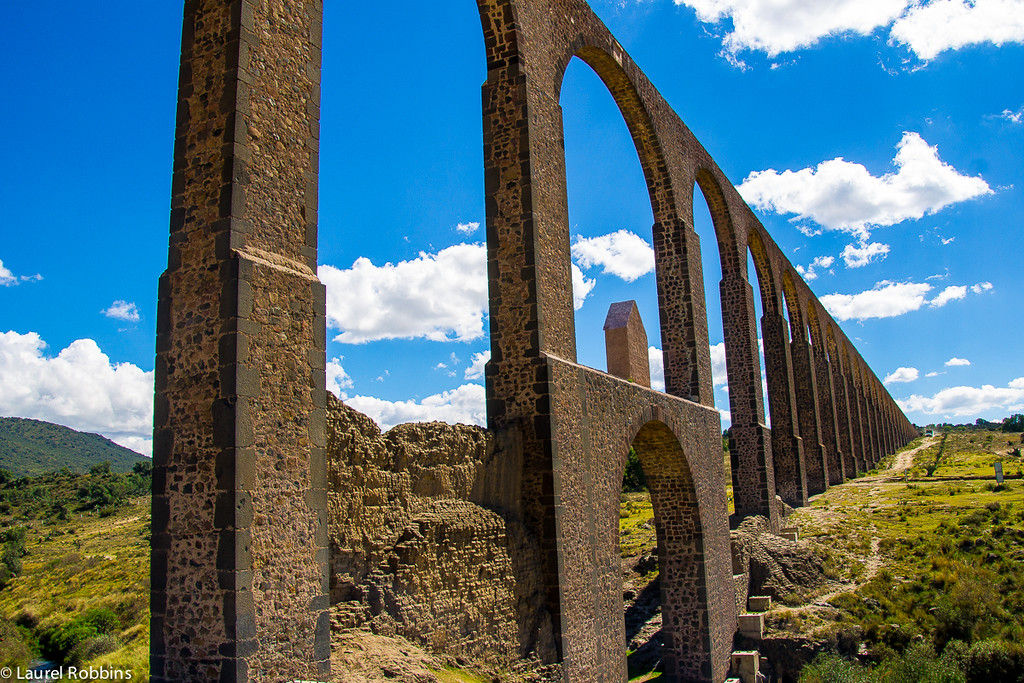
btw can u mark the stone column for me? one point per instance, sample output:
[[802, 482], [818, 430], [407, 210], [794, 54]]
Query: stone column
[[239, 544], [845, 421], [807, 414], [750, 447], [827, 414], [787, 446]]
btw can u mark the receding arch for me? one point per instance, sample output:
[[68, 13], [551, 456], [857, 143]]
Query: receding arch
[[677, 521]]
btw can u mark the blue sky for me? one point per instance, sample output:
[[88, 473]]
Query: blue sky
[[880, 142]]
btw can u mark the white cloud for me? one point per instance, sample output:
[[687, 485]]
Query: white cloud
[[441, 297], [778, 26], [889, 299], [1013, 116], [948, 240], [863, 254], [122, 310], [901, 375], [933, 373], [953, 362], [810, 272], [840, 195], [885, 300], [774, 26], [337, 379], [476, 365], [581, 287], [622, 253], [465, 405], [79, 388], [468, 228], [982, 287], [719, 373], [968, 401], [657, 361], [940, 25], [9, 279], [951, 293]]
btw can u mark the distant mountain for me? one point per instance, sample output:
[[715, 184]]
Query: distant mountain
[[33, 447]]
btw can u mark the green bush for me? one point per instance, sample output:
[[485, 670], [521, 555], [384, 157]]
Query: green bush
[[995, 660], [634, 479], [13, 650], [831, 668], [919, 664]]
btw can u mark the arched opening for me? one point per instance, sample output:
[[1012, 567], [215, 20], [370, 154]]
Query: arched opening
[[661, 543], [610, 214]]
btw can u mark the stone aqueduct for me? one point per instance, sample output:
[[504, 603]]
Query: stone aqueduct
[[239, 549]]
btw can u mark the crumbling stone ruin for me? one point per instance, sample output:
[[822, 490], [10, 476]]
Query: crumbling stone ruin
[[243, 571]]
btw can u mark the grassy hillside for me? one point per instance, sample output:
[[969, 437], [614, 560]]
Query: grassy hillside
[[74, 569], [31, 447]]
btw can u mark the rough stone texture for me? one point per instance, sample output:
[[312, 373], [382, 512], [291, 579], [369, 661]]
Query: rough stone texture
[[625, 343], [239, 559], [410, 554], [777, 566], [240, 524]]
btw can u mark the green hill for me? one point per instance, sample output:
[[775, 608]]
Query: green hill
[[32, 447]]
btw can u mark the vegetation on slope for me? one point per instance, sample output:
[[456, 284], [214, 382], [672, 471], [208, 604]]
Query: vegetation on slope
[[30, 448], [80, 594], [932, 560]]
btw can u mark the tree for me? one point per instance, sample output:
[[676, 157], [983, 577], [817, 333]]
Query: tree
[[1014, 423]]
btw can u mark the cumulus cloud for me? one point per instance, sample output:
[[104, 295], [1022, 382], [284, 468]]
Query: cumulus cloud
[[951, 293], [927, 29], [982, 287], [79, 388], [884, 300], [810, 272], [776, 26], [901, 375], [622, 253], [122, 310], [337, 379], [968, 401], [468, 228], [476, 365], [719, 373], [930, 29], [581, 287], [889, 299], [441, 297], [857, 256], [657, 361], [841, 195], [952, 362], [9, 279], [465, 405]]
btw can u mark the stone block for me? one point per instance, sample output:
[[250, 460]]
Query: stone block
[[746, 665], [791, 533], [751, 625], [759, 603]]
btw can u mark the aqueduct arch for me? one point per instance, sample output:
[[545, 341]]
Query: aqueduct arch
[[239, 427]]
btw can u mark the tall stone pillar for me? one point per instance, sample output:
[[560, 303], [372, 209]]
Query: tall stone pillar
[[807, 413], [787, 446], [828, 421], [239, 545], [844, 418], [750, 447]]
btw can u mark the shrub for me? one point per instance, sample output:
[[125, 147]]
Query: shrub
[[831, 668], [995, 660], [919, 664]]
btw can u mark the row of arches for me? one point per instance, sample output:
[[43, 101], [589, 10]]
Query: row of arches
[[571, 425]]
